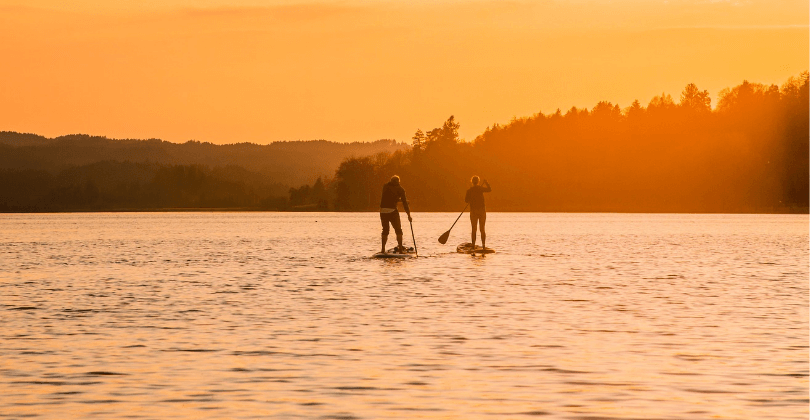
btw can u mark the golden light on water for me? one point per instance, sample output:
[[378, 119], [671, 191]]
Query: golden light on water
[[232, 315]]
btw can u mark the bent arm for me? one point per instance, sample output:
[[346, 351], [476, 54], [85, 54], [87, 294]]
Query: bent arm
[[486, 186]]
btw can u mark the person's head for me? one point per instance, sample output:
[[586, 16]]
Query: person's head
[[395, 179], [475, 180]]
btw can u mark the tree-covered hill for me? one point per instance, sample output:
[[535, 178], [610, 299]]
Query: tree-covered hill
[[291, 163], [749, 154], [113, 186], [86, 173]]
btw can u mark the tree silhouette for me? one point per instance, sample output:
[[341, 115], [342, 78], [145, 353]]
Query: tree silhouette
[[696, 100]]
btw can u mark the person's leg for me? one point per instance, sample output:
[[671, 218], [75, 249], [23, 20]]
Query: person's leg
[[474, 224], [385, 227], [396, 222], [482, 221]]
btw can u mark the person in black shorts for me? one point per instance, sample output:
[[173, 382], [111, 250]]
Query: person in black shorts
[[478, 211], [392, 193]]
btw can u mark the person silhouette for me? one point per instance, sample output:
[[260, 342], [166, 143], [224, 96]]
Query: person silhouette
[[392, 193], [478, 211]]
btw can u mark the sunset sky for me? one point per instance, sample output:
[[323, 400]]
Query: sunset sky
[[261, 71]]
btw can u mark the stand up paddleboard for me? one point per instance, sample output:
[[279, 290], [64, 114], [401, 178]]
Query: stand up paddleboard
[[466, 248], [394, 253]]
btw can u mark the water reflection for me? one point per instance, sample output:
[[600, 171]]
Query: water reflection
[[252, 315]]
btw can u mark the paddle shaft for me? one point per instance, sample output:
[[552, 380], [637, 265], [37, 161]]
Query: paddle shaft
[[414, 238], [459, 217]]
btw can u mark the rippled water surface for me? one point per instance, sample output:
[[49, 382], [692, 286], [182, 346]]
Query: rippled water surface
[[284, 316]]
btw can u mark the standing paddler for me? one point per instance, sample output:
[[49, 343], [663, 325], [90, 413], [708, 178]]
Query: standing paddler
[[478, 210], [392, 193]]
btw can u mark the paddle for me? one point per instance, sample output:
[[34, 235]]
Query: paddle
[[445, 235], [414, 238]]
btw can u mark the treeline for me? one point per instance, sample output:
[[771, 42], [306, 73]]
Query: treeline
[[291, 163], [86, 173], [111, 185], [749, 154], [315, 198]]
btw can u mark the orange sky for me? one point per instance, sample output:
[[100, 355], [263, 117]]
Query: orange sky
[[261, 71]]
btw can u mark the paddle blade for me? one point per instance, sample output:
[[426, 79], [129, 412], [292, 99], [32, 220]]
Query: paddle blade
[[443, 238]]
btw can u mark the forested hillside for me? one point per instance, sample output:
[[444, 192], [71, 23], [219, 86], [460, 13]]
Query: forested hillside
[[80, 172], [292, 163], [749, 154], [111, 185]]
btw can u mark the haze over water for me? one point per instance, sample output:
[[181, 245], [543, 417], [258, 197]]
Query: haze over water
[[283, 315]]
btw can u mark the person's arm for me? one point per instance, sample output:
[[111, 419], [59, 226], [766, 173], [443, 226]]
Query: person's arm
[[405, 203], [467, 197], [487, 188]]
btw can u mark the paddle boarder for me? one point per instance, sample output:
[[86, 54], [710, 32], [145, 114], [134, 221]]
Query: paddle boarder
[[478, 211], [392, 193]]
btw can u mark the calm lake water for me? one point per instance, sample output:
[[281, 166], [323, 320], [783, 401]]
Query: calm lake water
[[284, 316]]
